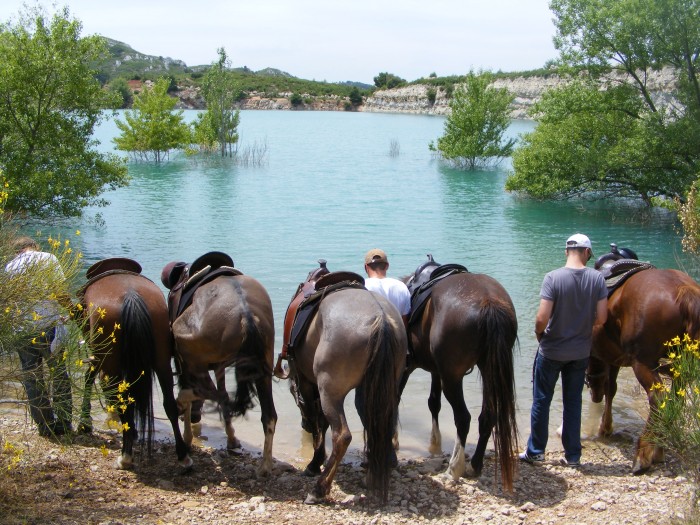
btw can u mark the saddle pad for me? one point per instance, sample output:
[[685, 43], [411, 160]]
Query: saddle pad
[[421, 294], [113, 263], [624, 272]]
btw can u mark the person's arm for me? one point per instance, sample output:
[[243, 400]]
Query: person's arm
[[544, 312]]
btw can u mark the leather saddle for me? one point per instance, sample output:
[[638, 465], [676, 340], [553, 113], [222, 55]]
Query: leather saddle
[[619, 271], [319, 283], [109, 266], [421, 283], [183, 279]]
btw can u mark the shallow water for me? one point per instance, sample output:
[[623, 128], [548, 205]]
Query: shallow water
[[331, 189]]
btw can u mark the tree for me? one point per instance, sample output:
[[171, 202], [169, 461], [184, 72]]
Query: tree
[[152, 129], [355, 96], [388, 81], [50, 103], [219, 124], [607, 135], [123, 92], [475, 127]]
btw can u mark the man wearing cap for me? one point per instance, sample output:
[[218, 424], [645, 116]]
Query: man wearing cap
[[376, 266], [572, 300]]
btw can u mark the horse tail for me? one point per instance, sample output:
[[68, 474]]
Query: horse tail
[[498, 332], [381, 396], [250, 365], [688, 300], [137, 358]]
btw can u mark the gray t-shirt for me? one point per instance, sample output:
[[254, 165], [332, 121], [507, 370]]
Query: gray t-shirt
[[575, 293]]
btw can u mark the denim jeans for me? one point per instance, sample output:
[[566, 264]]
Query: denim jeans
[[545, 376], [49, 419]]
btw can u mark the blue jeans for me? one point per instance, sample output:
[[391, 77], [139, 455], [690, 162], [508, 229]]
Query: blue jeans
[[49, 419], [545, 376]]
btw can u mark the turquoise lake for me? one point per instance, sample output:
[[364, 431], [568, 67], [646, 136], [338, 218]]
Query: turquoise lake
[[330, 188]]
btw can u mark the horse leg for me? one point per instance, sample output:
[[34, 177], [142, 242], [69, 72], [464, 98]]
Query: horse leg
[[318, 423], [125, 460], [340, 438], [233, 444], [606, 420], [185, 398], [646, 451], [486, 424], [269, 422], [404, 380], [455, 396], [434, 404], [85, 424], [165, 378]]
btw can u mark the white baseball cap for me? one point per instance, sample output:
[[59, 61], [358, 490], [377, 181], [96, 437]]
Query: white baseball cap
[[579, 240]]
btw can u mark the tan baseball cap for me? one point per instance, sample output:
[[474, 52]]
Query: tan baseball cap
[[376, 256]]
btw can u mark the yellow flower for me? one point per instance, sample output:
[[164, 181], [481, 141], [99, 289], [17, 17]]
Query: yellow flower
[[110, 408], [33, 340], [672, 355], [104, 450], [79, 363], [79, 307], [662, 405], [125, 427], [681, 392], [100, 330], [130, 400], [676, 341], [77, 232], [117, 326], [123, 386], [122, 408]]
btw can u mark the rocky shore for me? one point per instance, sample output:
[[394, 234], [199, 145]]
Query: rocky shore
[[47, 481]]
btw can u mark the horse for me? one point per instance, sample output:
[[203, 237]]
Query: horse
[[227, 322], [128, 330], [354, 339], [459, 320], [649, 308]]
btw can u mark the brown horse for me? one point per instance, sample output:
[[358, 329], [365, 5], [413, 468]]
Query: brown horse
[[467, 320], [229, 323], [130, 337], [355, 340], [648, 309]]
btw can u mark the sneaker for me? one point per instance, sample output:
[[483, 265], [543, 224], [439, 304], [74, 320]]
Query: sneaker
[[573, 463], [527, 458]]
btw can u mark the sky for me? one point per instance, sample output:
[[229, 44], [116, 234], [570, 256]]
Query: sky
[[327, 40]]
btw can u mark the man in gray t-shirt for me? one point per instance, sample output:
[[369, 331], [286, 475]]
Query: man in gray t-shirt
[[572, 300]]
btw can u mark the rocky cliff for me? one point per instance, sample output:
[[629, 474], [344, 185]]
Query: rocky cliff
[[527, 90]]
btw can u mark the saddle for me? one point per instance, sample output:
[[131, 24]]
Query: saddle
[[184, 280], [109, 266], [428, 274], [320, 283], [619, 271]]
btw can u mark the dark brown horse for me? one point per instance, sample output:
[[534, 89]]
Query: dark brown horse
[[467, 320], [229, 323], [355, 340], [648, 309], [130, 337]]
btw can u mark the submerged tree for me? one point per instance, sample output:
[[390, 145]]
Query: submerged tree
[[475, 128], [153, 129], [607, 134], [50, 104], [217, 127]]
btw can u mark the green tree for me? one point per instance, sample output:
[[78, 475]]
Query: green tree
[[388, 81], [355, 96], [219, 124], [474, 130], [50, 103], [607, 135], [152, 129], [123, 92]]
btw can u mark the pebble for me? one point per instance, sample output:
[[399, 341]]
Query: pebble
[[599, 506]]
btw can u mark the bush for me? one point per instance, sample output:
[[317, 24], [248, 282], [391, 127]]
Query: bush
[[432, 95], [675, 423]]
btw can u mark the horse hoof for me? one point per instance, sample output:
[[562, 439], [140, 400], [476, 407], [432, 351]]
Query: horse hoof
[[638, 468], [469, 472], [186, 462], [197, 429], [312, 499], [123, 462], [84, 428], [310, 473]]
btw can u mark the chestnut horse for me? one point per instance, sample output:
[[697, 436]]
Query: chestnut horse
[[229, 323], [468, 320], [355, 340], [129, 334], [648, 309]]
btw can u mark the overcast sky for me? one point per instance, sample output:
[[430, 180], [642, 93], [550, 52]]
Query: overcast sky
[[328, 40]]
